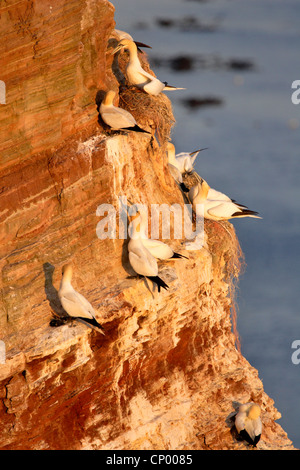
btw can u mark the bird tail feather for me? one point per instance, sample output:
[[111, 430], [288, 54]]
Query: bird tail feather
[[160, 283], [92, 322], [178, 255]]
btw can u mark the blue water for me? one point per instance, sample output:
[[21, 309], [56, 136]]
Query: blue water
[[254, 153]]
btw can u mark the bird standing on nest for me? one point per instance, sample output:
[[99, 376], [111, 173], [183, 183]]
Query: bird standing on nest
[[117, 118], [137, 76]]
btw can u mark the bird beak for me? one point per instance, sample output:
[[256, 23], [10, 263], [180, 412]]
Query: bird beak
[[195, 151], [141, 44], [118, 48]]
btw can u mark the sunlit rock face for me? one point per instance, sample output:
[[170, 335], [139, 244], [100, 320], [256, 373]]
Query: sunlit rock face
[[167, 374]]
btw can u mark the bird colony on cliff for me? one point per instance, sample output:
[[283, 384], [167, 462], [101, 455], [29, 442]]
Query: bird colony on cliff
[[145, 253]]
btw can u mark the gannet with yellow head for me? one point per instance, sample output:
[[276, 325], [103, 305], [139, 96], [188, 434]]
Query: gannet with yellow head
[[135, 73], [157, 248], [217, 206], [140, 258], [183, 161], [73, 302], [124, 35], [248, 423], [117, 118]]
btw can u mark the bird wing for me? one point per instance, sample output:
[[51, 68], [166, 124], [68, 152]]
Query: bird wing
[[184, 162], [193, 193], [158, 249], [240, 421], [221, 209], [213, 194], [193, 158], [253, 427], [76, 305], [117, 118], [175, 172], [141, 260]]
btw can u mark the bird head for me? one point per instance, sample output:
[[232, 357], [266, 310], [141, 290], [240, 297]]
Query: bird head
[[254, 411], [67, 271], [109, 97], [124, 44]]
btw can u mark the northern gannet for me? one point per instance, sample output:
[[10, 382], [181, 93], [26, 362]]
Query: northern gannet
[[217, 206], [137, 76], [140, 258], [248, 423], [74, 303], [183, 161], [157, 248], [180, 164], [117, 118], [123, 35]]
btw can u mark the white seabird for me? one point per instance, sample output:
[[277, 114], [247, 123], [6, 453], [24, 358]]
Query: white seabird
[[217, 206], [180, 164], [123, 35], [248, 423], [74, 303], [140, 258], [183, 161], [137, 76], [157, 248], [117, 118]]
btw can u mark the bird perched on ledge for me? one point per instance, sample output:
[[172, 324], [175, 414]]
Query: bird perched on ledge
[[180, 164], [157, 248], [117, 118], [248, 423], [217, 206], [140, 258], [137, 76], [183, 161], [74, 303]]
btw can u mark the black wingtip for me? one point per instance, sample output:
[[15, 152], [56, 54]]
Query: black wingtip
[[93, 322], [245, 436], [160, 283], [184, 188], [245, 212], [135, 128], [178, 255]]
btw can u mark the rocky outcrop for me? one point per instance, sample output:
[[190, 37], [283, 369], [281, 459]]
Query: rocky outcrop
[[167, 374]]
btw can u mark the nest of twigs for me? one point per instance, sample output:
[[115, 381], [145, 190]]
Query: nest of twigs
[[151, 112], [228, 258]]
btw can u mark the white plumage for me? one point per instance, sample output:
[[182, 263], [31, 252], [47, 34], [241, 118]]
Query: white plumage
[[248, 423], [75, 304], [137, 76], [117, 118], [157, 248], [183, 161], [140, 258], [217, 206]]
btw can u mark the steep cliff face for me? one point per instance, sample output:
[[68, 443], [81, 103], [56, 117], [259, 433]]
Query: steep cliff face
[[167, 374]]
